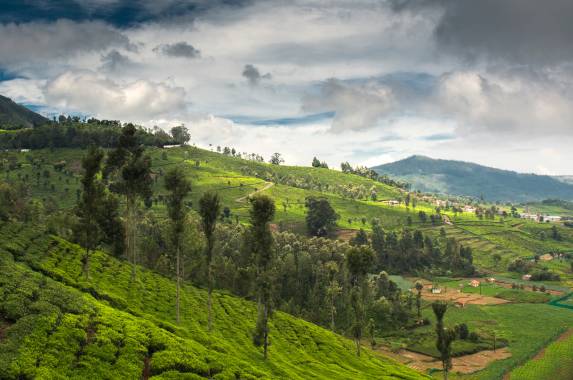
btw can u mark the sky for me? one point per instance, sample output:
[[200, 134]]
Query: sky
[[368, 82]]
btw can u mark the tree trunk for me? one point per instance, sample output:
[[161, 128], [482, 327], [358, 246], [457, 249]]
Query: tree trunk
[[266, 330], [209, 300], [178, 274], [87, 264], [130, 232], [357, 346], [332, 312]]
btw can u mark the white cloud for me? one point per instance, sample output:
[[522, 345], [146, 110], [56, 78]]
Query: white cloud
[[356, 107], [500, 104], [90, 93]]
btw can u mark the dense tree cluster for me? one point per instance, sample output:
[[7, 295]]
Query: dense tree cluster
[[73, 133]]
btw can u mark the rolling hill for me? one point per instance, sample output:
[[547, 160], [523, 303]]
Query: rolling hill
[[13, 114], [469, 179]]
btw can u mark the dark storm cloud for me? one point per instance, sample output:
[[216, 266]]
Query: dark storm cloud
[[117, 12], [36, 41], [179, 49], [253, 74], [115, 61], [528, 32]]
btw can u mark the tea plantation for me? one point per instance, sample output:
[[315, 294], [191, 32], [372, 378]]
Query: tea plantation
[[56, 325]]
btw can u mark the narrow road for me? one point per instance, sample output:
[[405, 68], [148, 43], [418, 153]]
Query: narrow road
[[267, 186]]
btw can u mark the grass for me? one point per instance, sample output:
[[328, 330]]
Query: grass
[[63, 326], [556, 363]]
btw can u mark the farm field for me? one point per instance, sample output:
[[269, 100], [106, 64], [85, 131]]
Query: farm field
[[517, 342], [553, 362]]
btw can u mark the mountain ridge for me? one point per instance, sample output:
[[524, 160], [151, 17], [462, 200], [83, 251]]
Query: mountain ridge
[[454, 177]]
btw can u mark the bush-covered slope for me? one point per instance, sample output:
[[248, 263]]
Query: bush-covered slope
[[12, 114], [54, 324], [464, 178]]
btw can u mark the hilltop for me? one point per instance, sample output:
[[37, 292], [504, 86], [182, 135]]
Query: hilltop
[[463, 178], [16, 115]]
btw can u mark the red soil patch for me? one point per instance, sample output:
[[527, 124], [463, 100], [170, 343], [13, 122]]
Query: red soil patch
[[345, 234], [464, 364], [456, 296]]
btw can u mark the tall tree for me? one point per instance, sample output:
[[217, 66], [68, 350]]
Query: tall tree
[[178, 187], [209, 209], [359, 261], [333, 290], [180, 134], [276, 159], [419, 287], [445, 336], [320, 217], [129, 171], [262, 213], [88, 208]]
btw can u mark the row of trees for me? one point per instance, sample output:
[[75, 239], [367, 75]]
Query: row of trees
[[127, 173], [363, 171]]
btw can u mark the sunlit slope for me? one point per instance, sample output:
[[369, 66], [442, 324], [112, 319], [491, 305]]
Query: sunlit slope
[[55, 324], [233, 178]]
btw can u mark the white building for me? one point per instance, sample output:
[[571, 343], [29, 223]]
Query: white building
[[469, 209]]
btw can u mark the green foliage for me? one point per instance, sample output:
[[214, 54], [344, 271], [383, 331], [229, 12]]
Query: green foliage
[[62, 326], [321, 217]]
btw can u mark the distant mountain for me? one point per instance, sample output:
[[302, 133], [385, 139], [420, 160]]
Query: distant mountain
[[464, 178], [13, 114]]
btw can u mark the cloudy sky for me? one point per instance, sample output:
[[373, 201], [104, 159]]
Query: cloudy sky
[[369, 82]]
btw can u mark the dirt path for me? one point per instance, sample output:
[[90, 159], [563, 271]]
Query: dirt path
[[267, 186]]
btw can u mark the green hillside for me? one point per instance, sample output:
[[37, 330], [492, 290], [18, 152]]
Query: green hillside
[[468, 179], [48, 266], [55, 324], [235, 178], [15, 115]]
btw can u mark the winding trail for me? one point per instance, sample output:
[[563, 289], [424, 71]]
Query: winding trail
[[267, 186]]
